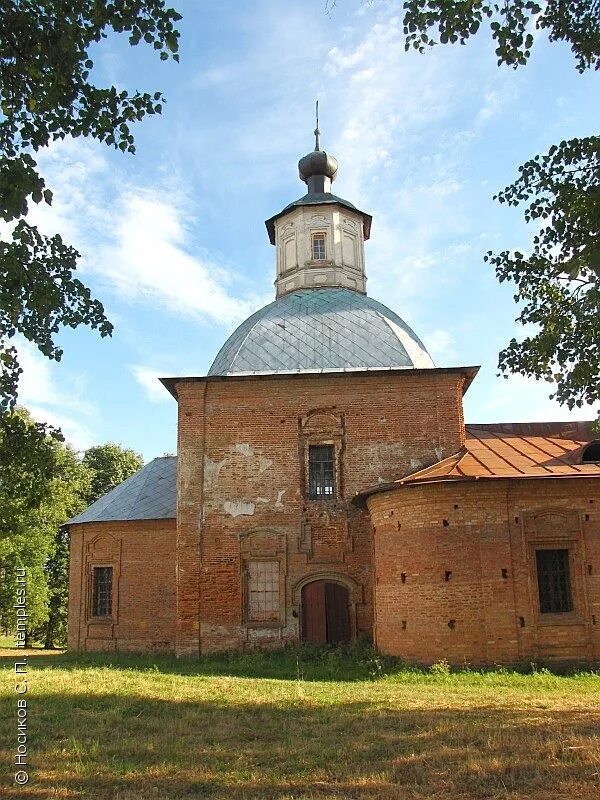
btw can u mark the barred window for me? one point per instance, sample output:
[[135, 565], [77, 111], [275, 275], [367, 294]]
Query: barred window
[[554, 583], [263, 591], [321, 471], [102, 591], [318, 246]]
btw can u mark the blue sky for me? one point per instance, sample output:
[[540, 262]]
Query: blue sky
[[173, 238]]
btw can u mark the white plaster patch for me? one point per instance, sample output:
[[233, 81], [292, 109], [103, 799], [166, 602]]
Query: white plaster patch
[[415, 463], [244, 449], [262, 499], [279, 501], [238, 508], [439, 452], [211, 471], [264, 463]]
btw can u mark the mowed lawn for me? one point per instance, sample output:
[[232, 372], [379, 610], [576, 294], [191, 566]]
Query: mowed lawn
[[292, 725]]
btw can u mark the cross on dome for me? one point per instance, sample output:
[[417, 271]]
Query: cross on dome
[[318, 169]]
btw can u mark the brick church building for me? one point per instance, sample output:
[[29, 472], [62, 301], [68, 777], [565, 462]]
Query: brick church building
[[327, 486]]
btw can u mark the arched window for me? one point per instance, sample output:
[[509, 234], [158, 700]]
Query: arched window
[[591, 454]]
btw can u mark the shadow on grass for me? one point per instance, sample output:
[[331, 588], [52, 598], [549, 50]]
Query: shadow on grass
[[351, 663], [358, 661], [118, 746]]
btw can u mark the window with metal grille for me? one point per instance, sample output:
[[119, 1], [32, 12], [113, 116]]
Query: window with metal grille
[[321, 471], [318, 247], [102, 591], [263, 591], [553, 581]]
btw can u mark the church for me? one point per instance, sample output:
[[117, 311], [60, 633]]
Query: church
[[327, 487]]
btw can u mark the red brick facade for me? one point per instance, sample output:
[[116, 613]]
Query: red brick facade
[[433, 570], [142, 557], [243, 445], [455, 570]]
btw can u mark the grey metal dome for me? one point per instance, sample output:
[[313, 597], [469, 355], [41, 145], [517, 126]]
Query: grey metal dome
[[321, 330]]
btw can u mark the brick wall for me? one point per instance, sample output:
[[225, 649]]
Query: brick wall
[[242, 473], [142, 555], [455, 572]]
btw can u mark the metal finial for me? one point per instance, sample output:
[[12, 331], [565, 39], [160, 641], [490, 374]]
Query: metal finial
[[317, 131]]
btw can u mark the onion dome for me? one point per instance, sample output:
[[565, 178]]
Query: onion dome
[[317, 163]]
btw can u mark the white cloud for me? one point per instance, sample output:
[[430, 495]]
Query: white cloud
[[496, 100], [38, 384], [75, 171], [521, 399], [441, 346], [135, 239], [60, 404], [147, 261], [148, 379], [77, 434]]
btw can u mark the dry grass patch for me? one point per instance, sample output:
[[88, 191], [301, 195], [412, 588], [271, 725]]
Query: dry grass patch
[[130, 729]]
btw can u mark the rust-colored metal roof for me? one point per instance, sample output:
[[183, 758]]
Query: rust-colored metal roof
[[511, 450]]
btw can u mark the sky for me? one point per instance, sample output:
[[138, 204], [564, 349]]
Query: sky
[[173, 240]]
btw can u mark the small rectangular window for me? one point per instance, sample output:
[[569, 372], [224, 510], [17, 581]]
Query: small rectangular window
[[102, 591], [321, 471], [318, 247], [263, 591], [554, 583]]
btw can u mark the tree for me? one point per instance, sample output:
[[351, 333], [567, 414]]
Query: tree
[[67, 496], [512, 24], [46, 94], [110, 465], [42, 483], [559, 281], [41, 487]]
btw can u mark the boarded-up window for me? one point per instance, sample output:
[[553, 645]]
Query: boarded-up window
[[553, 581], [263, 591], [321, 471], [102, 591]]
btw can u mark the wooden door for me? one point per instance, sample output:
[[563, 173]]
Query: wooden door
[[314, 617], [325, 613], [337, 613]]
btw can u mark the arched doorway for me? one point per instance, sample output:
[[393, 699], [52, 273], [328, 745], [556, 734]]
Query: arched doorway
[[325, 613]]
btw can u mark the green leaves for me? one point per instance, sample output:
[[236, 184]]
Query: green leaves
[[511, 23], [110, 465], [559, 281], [46, 95], [43, 483], [38, 295], [19, 181]]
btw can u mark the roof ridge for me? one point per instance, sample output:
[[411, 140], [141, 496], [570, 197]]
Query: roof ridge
[[118, 489], [147, 469], [457, 456], [141, 500]]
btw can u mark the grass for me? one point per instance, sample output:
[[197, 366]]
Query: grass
[[301, 725]]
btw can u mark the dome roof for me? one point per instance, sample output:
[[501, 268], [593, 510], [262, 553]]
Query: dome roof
[[317, 163], [321, 330]]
